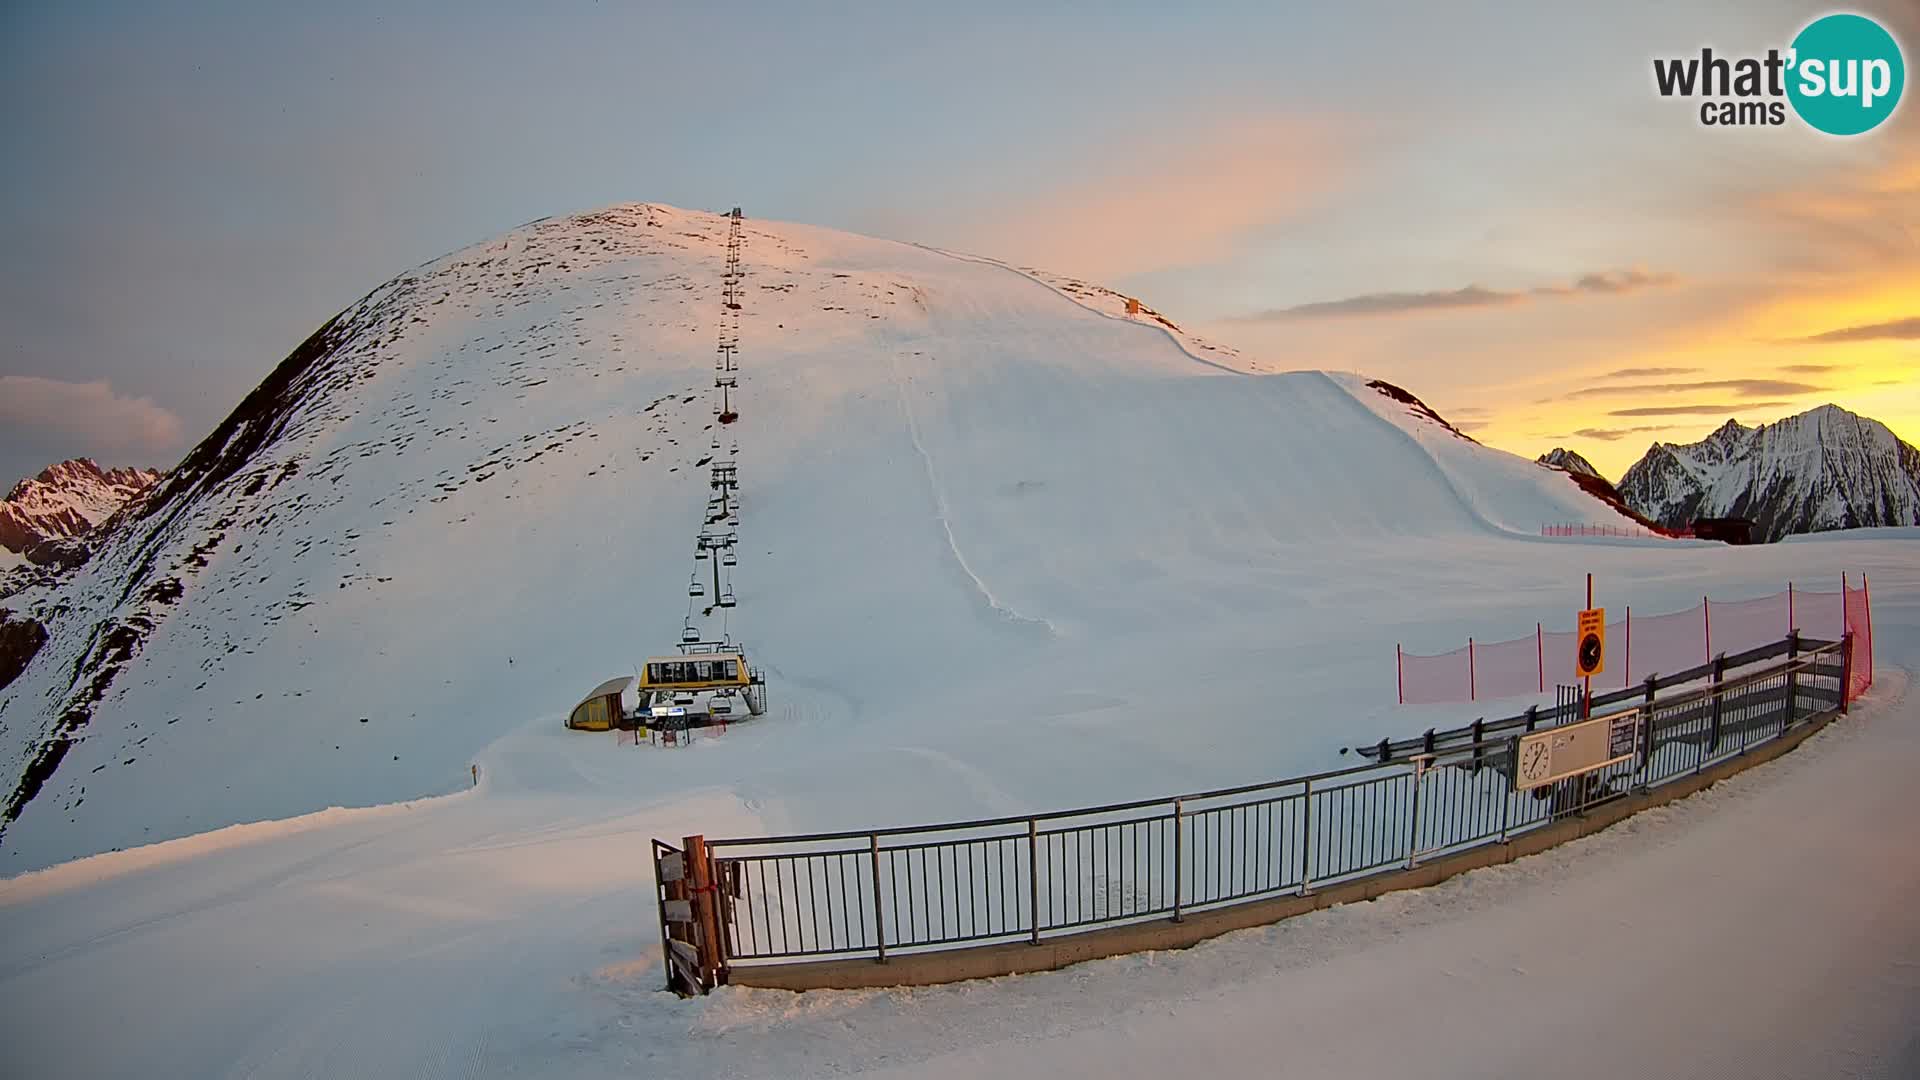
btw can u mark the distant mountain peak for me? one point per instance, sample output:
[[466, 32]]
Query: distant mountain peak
[[1562, 458], [66, 500], [1826, 468]]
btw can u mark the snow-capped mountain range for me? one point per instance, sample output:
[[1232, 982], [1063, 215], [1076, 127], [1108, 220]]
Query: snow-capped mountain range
[[67, 500], [1823, 469]]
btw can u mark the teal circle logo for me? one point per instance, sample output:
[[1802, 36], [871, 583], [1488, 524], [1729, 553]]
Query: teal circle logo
[[1846, 74]]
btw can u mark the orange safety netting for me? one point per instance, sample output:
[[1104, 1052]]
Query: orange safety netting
[[1859, 619], [1640, 646]]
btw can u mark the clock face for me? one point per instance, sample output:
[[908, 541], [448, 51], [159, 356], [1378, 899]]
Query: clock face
[[1535, 762], [1590, 654]]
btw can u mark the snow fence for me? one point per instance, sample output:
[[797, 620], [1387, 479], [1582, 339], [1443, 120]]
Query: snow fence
[[1641, 646]]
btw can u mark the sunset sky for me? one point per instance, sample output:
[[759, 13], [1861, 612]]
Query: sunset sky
[[1485, 202]]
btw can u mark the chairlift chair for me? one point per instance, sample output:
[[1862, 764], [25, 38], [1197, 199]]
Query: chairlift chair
[[726, 598], [700, 553], [729, 559], [696, 588], [688, 635]]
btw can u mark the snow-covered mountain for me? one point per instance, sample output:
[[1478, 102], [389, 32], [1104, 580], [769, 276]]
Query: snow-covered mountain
[[1562, 458], [1823, 469], [473, 495], [67, 500]]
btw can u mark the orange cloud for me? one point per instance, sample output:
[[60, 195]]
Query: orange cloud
[[1170, 199]]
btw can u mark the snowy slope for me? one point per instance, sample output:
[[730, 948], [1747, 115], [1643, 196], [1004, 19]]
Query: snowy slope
[[1505, 490], [65, 500], [1823, 469], [472, 496]]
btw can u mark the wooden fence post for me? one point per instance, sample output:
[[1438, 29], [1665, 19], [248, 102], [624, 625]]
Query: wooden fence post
[[705, 916]]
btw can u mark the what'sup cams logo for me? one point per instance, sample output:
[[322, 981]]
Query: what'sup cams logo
[[1842, 75]]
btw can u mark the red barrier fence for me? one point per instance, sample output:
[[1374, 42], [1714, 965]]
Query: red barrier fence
[[1641, 646], [1578, 528]]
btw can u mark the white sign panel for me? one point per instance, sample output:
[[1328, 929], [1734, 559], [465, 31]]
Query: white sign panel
[[1572, 749]]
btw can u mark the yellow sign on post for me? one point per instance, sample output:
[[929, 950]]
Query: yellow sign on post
[[1590, 643]]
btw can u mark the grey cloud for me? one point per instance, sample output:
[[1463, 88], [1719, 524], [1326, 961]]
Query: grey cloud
[[1897, 330], [1611, 434], [1695, 410], [1743, 387], [1648, 372], [1471, 296], [90, 411]]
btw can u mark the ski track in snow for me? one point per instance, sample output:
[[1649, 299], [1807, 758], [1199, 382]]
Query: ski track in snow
[[945, 515]]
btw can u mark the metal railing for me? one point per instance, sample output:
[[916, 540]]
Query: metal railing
[[885, 892]]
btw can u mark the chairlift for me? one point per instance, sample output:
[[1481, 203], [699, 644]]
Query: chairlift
[[696, 588], [688, 635], [700, 553], [726, 598], [729, 559]]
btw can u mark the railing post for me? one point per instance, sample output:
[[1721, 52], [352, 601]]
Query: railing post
[[1179, 852], [879, 917], [1713, 730], [1646, 739], [1479, 752], [1306, 837], [1513, 785], [1413, 816], [1533, 716], [1846, 667], [1793, 679], [700, 885], [1033, 879]]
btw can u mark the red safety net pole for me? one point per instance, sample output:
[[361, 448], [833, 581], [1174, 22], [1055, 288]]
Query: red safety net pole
[[1473, 690], [1540, 654], [1790, 622], [1866, 599], [1399, 674]]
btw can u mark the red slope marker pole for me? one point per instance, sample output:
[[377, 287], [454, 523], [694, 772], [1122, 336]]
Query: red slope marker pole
[[1866, 600]]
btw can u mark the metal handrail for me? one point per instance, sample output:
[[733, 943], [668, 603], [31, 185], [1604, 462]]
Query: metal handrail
[[911, 889], [1805, 660]]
